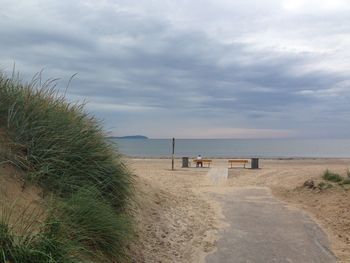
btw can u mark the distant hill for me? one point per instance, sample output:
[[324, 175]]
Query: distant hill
[[131, 137]]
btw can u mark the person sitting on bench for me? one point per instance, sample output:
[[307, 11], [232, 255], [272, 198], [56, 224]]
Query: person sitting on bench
[[199, 161]]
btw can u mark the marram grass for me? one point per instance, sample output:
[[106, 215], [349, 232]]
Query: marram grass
[[62, 148], [25, 237], [58, 144], [91, 223]]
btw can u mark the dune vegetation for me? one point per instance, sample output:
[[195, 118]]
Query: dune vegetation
[[85, 185]]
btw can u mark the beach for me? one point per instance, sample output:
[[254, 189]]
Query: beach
[[179, 220]]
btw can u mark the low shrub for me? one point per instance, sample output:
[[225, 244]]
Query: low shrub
[[346, 181], [323, 185], [331, 176]]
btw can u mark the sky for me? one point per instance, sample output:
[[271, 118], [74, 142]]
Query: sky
[[191, 68]]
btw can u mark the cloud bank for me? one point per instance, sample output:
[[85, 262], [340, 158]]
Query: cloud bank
[[192, 68]]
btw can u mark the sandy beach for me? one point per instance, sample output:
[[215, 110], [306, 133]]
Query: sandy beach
[[179, 220]]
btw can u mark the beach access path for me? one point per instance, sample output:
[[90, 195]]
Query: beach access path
[[259, 228], [196, 215]]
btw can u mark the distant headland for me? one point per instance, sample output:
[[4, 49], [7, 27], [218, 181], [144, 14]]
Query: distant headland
[[130, 137]]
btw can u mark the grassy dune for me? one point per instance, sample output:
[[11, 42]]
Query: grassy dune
[[86, 186]]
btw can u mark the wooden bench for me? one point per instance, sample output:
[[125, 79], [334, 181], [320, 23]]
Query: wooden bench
[[204, 161], [238, 161]]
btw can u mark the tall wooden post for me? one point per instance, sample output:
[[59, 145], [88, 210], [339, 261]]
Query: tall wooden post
[[173, 155]]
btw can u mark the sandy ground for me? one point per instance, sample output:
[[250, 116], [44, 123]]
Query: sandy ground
[[20, 206], [174, 223], [178, 222]]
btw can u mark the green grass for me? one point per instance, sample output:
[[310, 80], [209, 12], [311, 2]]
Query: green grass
[[60, 145], [91, 223], [25, 237], [63, 149], [323, 185], [331, 176], [34, 248]]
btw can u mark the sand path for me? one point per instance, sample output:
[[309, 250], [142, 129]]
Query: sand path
[[218, 175], [259, 228]]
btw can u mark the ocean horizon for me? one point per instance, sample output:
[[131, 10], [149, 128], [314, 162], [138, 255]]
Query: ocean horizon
[[236, 148]]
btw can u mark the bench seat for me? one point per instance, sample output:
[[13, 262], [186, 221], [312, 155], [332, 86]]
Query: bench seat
[[204, 161], [242, 161]]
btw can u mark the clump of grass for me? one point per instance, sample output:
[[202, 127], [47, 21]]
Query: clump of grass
[[63, 149], [32, 248], [346, 181], [24, 237], [331, 176], [323, 185], [91, 223]]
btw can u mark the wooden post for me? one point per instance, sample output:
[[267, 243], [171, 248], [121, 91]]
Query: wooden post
[[173, 155]]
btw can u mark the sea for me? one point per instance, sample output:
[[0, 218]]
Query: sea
[[236, 148]]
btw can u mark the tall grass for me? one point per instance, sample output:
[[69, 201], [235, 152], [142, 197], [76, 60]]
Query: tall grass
[[60, 145], [63, 149], [24, 236], [91, 223]]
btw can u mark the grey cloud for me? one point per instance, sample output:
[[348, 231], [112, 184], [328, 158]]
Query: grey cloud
[[128, 57]]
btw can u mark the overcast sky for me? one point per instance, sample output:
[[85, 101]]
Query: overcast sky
[[192, 69]]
